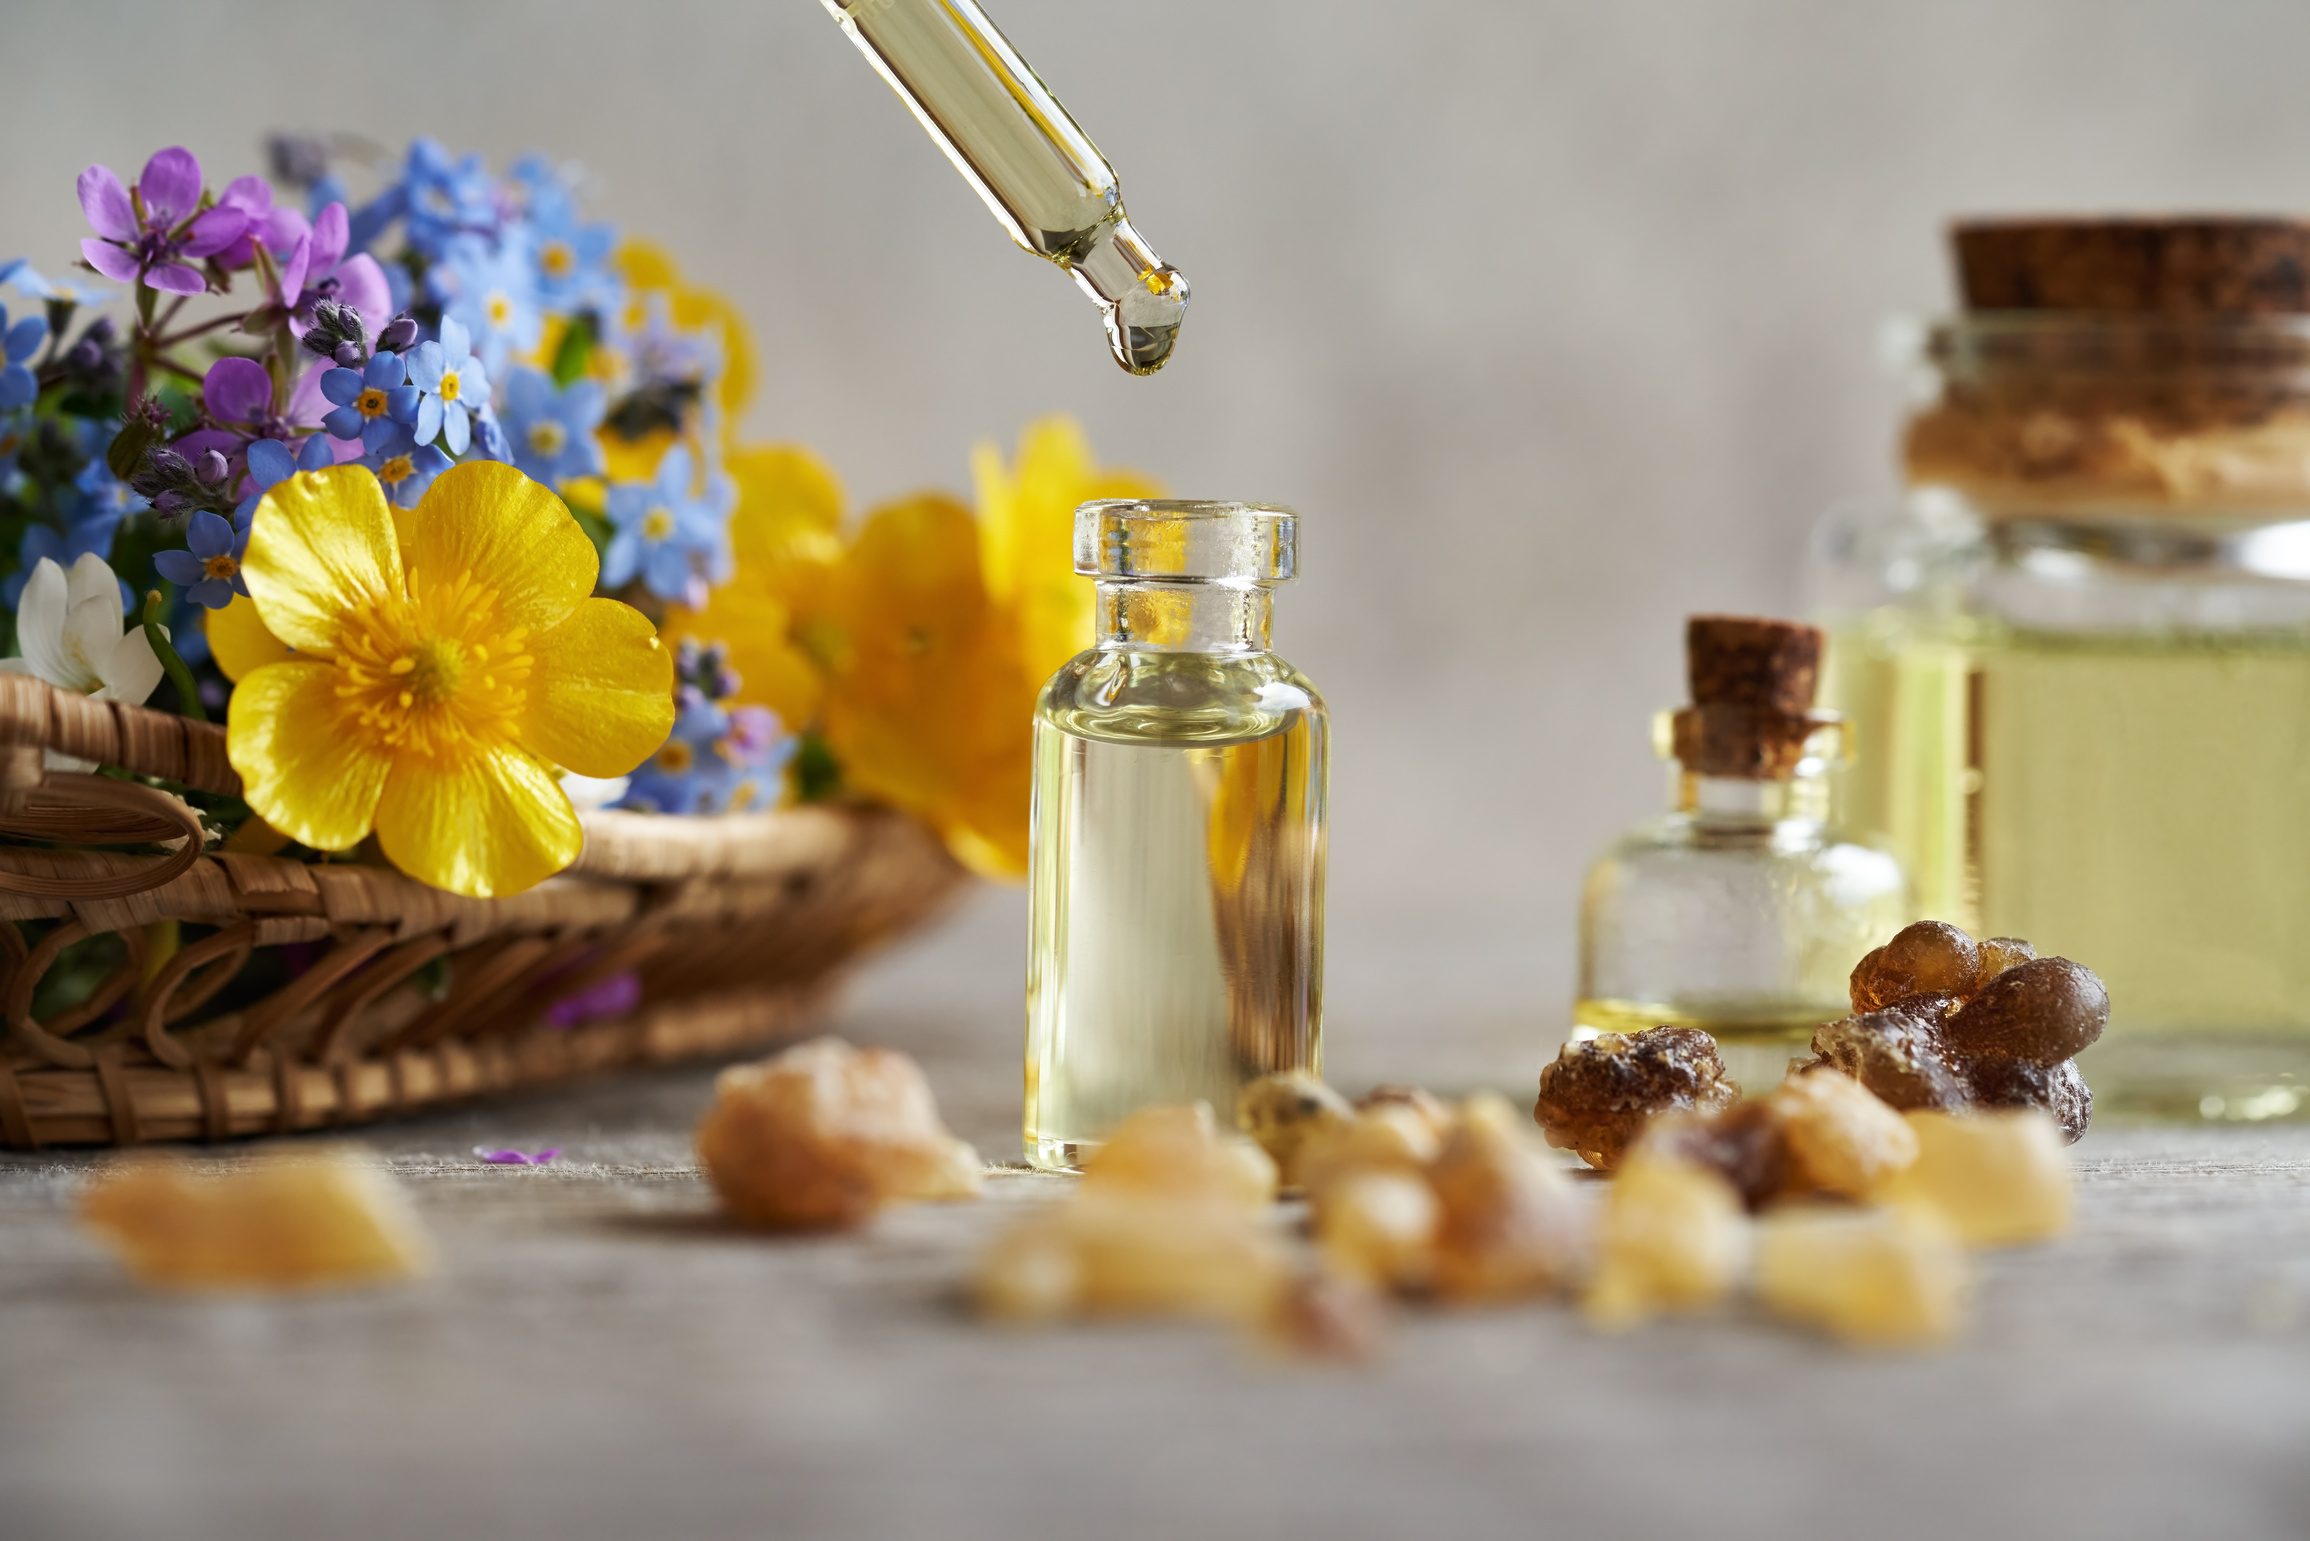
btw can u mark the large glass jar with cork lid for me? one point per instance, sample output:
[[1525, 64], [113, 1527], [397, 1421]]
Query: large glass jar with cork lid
[[2082, 704]]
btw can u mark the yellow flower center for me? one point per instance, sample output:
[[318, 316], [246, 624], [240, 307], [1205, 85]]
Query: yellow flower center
[[676, 757], [547, 437], [500, 309], [658, 523], [449, 386], [557, 259], [435, 674], [220, 567], [395, 469], [371, 403]]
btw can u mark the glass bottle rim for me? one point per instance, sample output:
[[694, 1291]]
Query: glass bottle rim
[[1187, 540]]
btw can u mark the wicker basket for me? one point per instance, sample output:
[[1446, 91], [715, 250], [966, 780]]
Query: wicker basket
[[737, 926]]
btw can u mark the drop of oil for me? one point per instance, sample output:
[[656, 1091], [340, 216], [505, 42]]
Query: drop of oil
[[1143, 325], [1142, 298]]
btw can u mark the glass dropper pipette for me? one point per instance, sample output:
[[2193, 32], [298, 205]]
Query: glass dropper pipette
[[1035, 168]]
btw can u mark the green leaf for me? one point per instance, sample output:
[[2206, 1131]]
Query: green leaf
[[576, 351]]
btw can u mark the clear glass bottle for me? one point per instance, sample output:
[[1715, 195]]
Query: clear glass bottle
[[1176, 929], [1740, 911], [1040, 174], [2082, 692]]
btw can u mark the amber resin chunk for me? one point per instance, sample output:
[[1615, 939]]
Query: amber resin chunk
[[1510, 1224], [1287, 1111], [821, 1136], [1135, 1252], [1842, 1138], [1745, 1145], [1886, 1278], [1897, 1053], [1994, 1178], [1378, 1227], [1596, 1096], [1180, 1151], [299, 1219], [1673, 1238]]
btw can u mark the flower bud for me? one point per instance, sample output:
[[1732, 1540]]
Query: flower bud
[[399, 336], [212, 468], [349, 355], [83, 356]]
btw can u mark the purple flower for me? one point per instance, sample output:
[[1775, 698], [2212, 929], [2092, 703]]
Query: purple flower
[[270, 465], [329, 274], [451, 384], [277, 225], [613, 997], [369, 399], [144, 236], [239, 396], [515, 1157], [209, 573]]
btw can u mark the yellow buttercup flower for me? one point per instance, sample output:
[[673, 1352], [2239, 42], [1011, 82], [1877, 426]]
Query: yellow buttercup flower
[[447, 657], [1027, 536], [784, 549], [926, 706]]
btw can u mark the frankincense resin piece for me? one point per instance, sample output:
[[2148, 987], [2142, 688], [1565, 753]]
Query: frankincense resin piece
[[1994, 1178], [821, 1136], [1931, 957], [1596, 1096], [1673, 1238], [1287, 1111], [295, 1219], [1510, 1224], [1889, 1278]]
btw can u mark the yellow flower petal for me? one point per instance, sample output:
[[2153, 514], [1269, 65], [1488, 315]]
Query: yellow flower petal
[[304, 768], [239, 641], [321, 545], [496, 824], [507, 532], [1026, 535], [601, 696]]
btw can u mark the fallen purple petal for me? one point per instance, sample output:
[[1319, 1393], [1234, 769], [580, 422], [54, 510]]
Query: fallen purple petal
[[515, 1157]]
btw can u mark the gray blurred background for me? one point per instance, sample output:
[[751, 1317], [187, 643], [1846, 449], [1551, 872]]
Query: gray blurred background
[[1557, 320]]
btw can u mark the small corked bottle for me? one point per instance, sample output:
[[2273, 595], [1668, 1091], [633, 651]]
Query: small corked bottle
[[1739, 911]]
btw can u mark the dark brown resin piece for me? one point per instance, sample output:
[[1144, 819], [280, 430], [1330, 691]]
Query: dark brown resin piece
[[1744, 1143], [2174, 267], [1997, 1083], [2044, 1011], [1897, 1053], [1930, 956], [1597, 1095]]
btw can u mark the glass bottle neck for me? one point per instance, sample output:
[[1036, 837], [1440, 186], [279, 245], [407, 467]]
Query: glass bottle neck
[[1201, 617], [1733, 801]]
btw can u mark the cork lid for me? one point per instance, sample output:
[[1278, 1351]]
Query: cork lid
[[1753, 684], [2177, 267]]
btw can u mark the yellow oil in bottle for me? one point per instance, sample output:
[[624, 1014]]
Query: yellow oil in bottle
[[1176, 946], [1035, 168], [2137, 802]]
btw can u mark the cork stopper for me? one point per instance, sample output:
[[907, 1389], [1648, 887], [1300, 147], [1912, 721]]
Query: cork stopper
[[2175, 267], [1753, 684]]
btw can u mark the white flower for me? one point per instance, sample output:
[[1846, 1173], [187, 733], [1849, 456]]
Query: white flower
[[72, 633], [587, 793]]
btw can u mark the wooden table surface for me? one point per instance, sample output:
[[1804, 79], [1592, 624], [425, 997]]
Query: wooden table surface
[[599, 1357]]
